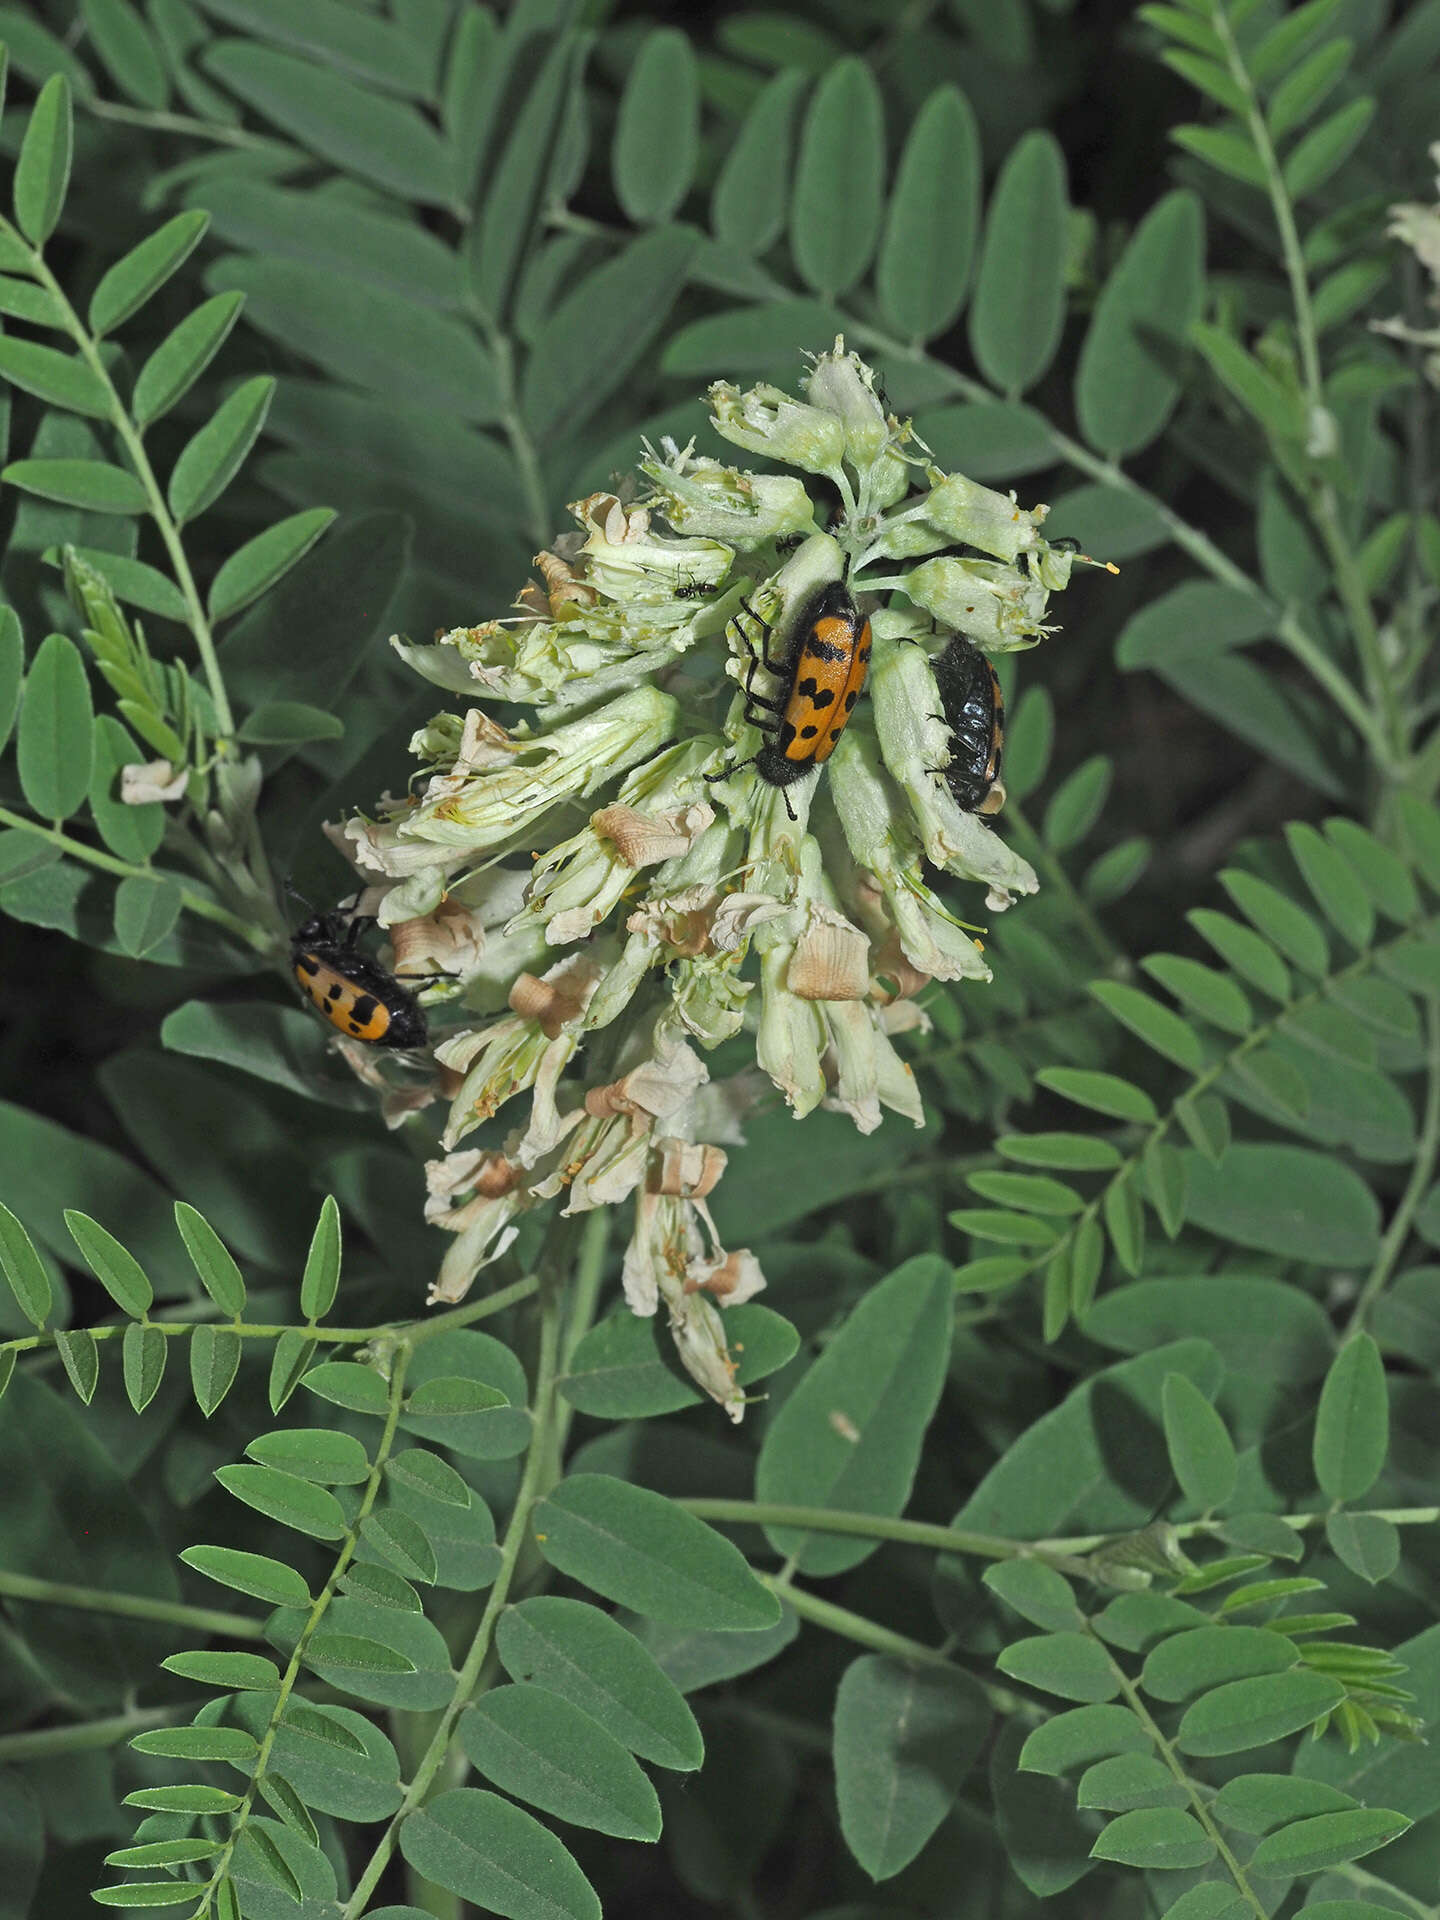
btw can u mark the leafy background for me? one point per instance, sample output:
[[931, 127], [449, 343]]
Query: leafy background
[[1164, 1252]]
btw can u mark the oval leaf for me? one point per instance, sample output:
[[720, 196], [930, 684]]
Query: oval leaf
[[1352, 1426], [882, 1374], [934, 217], [497, 1857], [1127, 383], [541, 1748], [1019, 305], [640, 1549], [839, 180], [55, 740], [905, 1738]]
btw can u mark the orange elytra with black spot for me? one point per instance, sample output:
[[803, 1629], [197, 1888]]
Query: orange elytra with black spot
[[822, 676], [358, 996]]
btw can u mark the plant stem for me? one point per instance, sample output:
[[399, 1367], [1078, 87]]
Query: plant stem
[[584, 1297], [108, 863], [853, 1626], [84, 1736], [536, 1464], [477, 1310], [522, 446], [134, 446], [134, 1606], [869, 1633], [316, 1615], [873, 1526], [1280, 205], [183, 123], [412, 1333], [985, 1546], [1324, 506], [1198, 1808], [1422, 1175], [1034, 849]]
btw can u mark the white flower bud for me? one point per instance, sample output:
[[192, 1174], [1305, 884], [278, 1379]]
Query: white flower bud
[[983, 518], [882, 840], [764, 419], [146, 782], [843, 384], [626, 562], [998, 607], [699, 496], [489, 809]]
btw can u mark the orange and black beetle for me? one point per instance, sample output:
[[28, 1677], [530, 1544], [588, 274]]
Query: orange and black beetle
[[821, 676], [974, 711], [357, 995]]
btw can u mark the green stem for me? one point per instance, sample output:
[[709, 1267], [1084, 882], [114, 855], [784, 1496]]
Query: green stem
[[869, 1633], [1422, 1176], [1280, 205], [183, 123], [984, 1546], [853, 1626], [522, 446], [873, 1526], [1293, 635], [537, 1462], [84, 1736], [584, 1298], [1325, 511], [108, 863], [316, 1615], [1324, 506], [477, 1310], [134, 1606], [412, 1334], [134, 446], [1033, 848], [1198, 1808]]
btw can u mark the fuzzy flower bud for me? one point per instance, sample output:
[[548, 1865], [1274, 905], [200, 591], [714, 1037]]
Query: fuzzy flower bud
[[997, 607], [700, 497], [983, 518], [766, 420], [841, 383], [151, 780]]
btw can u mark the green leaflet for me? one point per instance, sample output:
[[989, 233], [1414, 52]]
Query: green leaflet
[[491, 1853], [839, 181], [1018, 307], [1127, 383], [882, 1375], [636, 1547], [929, 240], [905, 1738]]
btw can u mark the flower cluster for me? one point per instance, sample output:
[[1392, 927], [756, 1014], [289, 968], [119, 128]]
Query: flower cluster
[[614, 890], [1419, 228]]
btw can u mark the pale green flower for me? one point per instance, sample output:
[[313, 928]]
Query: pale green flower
[[610, 888]]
